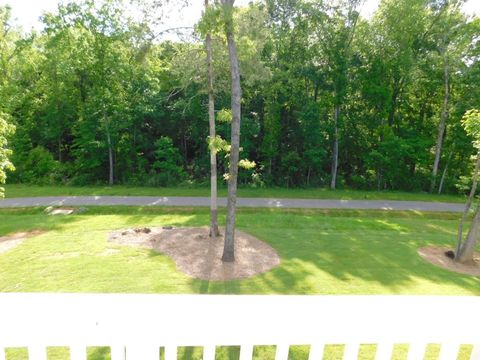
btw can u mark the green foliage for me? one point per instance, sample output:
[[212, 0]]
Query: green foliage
[[39, 167], [247, 164], [211, 22], [218, 144], [471, 124], [92, 93], [224, 116], [166, 165], [6, 130]]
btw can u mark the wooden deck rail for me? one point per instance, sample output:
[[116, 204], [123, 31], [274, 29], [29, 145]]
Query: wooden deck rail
[[136, 326]]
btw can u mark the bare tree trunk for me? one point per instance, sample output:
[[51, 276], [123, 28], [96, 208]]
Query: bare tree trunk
[[228, 251], [110, 156], [467, 249], [444, 173], [442, 124], [336, 115], [214, 232], [393, 108], [468, 205]]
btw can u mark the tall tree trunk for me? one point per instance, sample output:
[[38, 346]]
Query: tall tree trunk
[[213, 152], [110, 156], [336, 116], [442, 123], [444, 173], [228, 251], [393, 106], [467, 249], [459, 256]]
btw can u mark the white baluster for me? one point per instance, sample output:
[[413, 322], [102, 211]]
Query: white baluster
[[475, 352], [246, 352], [143, 352], [209, 352], [37, 352], [351, 351], [282, 352], [118, 352], [448, 351], [384, 351], [78, 352], [416, 351], [171, 352], [316, 352]]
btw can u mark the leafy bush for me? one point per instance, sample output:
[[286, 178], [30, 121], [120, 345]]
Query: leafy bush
[[166, 168], [39, 168]]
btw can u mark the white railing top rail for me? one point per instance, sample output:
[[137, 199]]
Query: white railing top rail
[[35, 320]]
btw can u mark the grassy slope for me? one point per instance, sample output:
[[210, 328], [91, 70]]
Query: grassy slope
[[323, 252], [320, 193]]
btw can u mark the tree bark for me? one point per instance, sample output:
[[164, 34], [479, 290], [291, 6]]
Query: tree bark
[[336, 115], [459, 256], [110, 156], [228, 251], [444, 173], [393, 106], [467, 249], [442, 123], [214, 232]]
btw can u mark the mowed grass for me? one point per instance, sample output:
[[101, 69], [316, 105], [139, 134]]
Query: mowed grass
[[18, 190], [322, 251]]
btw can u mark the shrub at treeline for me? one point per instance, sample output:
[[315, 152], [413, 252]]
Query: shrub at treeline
[[329, 98]]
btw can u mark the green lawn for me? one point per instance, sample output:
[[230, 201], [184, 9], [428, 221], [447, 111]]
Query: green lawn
[[16, 190], [323, 252]]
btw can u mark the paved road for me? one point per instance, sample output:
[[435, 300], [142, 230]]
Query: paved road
[[242, 202]]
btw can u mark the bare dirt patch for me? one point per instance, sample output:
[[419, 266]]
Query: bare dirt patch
[[198, 255], [11, 241], [61, 210], [438, 256]]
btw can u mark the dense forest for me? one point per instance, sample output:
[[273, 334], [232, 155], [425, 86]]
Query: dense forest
[[329, 98]]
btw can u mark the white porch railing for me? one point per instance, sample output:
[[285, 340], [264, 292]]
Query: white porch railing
[[136, 326]]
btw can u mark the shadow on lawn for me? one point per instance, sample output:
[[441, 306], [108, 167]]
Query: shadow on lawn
[[11, 222], [381, 252]]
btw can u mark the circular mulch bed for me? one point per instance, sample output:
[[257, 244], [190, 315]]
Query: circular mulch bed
[[198, 255], [437, 256]]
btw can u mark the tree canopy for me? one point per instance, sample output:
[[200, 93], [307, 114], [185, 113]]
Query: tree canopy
[[328, 97]]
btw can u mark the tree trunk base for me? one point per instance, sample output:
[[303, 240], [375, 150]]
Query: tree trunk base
[[228, 257], [214, 232]]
